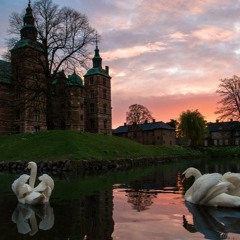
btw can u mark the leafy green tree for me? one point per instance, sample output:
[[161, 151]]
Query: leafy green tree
[[229, 90], [138, 114], [192, 126]]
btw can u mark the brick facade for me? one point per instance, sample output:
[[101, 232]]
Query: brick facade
[[154, 133], [77, 104]]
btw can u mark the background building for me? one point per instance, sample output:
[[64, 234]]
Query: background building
[[154, 133], [223, 134]]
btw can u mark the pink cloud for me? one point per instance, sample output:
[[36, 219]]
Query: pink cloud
[[213, 34]]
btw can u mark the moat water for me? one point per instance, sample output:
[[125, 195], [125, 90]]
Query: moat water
[[139, 204]]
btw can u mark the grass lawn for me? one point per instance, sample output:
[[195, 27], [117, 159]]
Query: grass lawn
[[73, 145]]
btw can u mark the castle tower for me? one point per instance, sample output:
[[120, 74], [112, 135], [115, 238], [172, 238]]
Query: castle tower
[[98, 110], [27, 77]]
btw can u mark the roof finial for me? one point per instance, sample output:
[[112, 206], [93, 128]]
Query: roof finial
[[96, 39], [29, 3]]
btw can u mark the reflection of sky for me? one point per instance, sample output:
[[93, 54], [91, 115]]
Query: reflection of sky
[[165, 55], [162, 220]]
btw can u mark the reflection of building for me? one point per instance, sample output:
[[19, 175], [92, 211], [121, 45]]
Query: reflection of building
[[99, 210], [154, 133], [223, 134], [77, 104], [89, 217]]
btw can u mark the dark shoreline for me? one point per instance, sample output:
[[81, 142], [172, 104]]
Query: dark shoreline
[[87, 167]]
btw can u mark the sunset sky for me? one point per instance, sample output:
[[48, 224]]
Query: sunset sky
[[165, 55]]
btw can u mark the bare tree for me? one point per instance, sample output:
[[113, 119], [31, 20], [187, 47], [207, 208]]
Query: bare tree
[[138, 114], [229, 90], [64, 35]]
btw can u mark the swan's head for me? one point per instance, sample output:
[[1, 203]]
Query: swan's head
[[31, 165], [191, 172]]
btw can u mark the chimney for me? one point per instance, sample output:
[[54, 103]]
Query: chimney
[[107, 69], [217, 120], [146, 121], [125, 124], [153, 120]]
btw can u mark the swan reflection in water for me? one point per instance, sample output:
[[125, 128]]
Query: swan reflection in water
[[212, 222], [27, 217]]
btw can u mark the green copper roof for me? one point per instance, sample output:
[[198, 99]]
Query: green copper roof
[[94, 71], [5, 72], [28, 43], [74, 80]]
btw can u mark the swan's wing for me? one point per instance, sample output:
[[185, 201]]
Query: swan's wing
[[46, 181], [32, 197], [22, 190], [40, 187], [19, 181], [214, 191], [202, 186], [234, 183]]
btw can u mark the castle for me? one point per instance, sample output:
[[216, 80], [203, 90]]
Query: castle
[[77, 104]]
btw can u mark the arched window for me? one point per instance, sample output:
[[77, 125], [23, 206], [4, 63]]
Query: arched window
[[92, 123], [92, 107], [105, 124], [104, 108]]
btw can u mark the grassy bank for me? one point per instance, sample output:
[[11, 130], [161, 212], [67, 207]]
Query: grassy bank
[[59, 145]]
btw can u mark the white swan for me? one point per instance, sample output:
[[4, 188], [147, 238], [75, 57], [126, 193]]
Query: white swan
[[212, 189], [21, 188], [26, 193]]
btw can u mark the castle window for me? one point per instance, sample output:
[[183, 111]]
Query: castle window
[[36, 129], [105, 124], [17, 114], [97, 80], [36, 115], [92, 93], [92, 107], [92, 124], [104, 82], [91, 80], [81, 105], [105, 108], [36, 76], [17, 129], [37, 98], [17, 93], [104, 93], [81, 117]]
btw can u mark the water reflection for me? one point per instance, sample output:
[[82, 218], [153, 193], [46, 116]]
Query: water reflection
[[139, 204], [29, 219], [213, 223], [140, 199]]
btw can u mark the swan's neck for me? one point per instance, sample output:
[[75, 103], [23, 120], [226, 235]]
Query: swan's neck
[[197, 174], [33, 175]]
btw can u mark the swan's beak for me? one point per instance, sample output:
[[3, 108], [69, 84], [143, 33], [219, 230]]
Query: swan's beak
[[26, 168], [183, 178]]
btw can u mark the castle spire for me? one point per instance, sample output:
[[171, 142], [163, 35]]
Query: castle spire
[[97, 60], [28, 30]]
